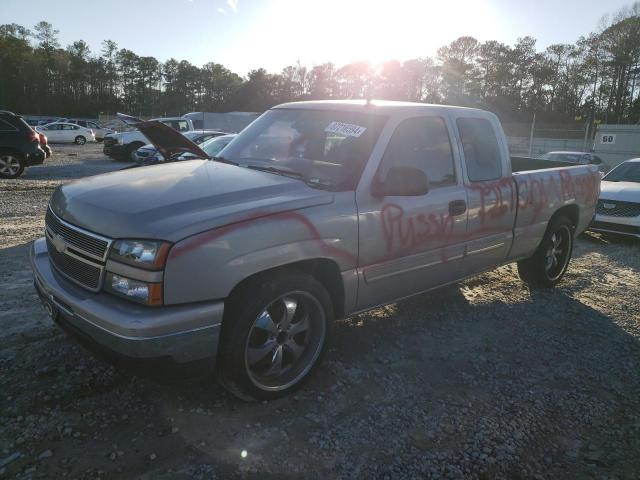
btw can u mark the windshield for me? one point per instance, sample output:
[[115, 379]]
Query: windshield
[[625, 172], [321, 146]]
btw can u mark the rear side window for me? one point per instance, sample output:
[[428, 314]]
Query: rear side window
[[7, 127], [481, 151], [422, 143]]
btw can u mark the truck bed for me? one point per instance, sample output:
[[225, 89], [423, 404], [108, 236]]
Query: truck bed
[[542, 188], [520, 164]]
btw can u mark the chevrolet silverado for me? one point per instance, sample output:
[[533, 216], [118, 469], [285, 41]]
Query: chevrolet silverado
[[315, 211]]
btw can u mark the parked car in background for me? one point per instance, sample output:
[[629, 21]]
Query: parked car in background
[[63, 132], [46, 121], [99, 131], [212, 147], [123, 145], [19, 145], [317, 210], [579, 158], [148, 154], [44, 143], [618, 209]]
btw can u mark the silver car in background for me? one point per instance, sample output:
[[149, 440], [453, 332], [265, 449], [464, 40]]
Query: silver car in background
[[618, 209]]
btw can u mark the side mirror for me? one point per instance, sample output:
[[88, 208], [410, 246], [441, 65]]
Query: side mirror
[[401, 181]]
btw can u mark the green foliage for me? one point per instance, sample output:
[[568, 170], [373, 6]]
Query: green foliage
[[597, 77]]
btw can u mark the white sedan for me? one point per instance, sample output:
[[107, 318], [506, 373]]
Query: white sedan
[[618, 209], [63, 132]]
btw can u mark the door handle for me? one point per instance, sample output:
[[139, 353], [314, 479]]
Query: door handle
[[457, 207]]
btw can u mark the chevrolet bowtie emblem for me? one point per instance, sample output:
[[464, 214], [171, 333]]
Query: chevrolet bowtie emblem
[[59, 243]]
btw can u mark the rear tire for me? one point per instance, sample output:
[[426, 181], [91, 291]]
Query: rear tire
[[11, 165], [546, 267], [273, 336], [80, 140]]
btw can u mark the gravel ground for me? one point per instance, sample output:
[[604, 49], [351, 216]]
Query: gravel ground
[[482, 380]]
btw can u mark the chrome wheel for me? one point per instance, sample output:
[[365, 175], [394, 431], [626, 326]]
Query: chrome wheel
[[9, 165], [285, 341], [80, 140], [557, 255]]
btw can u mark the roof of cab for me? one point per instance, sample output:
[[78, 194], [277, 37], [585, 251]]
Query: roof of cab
[[379, 106]]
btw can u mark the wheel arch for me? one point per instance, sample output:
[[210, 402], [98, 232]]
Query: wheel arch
[[572, 212], [13, 151], [324, 270]]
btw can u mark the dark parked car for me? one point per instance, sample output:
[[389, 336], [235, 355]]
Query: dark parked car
[[19, 145]]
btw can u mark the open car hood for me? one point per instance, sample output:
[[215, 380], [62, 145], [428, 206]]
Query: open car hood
[[169, 142]]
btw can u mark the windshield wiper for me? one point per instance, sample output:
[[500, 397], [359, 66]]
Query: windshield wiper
[[277, 170], [223, 160], [286, 172]]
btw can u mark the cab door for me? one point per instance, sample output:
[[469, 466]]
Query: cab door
[[491, 192], [411, 241]]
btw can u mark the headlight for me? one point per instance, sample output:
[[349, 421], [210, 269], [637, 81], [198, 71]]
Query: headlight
[[147, 254], [136, 290]]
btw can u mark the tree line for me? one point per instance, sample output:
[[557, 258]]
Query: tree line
[[597, 77]]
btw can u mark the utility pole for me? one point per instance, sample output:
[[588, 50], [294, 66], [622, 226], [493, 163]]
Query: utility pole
[[586, 133], [533, 126]]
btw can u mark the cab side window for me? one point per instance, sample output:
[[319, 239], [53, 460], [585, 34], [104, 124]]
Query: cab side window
[[7, 127], [422, 143], [481, 150]]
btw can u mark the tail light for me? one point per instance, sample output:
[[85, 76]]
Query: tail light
[[34, 136]]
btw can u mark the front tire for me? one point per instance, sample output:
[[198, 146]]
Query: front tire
[[273, 336], [80, 140], [11, 165], [131, 151], [546, 267]]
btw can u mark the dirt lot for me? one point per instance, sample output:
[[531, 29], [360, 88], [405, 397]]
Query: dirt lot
[[482, 380]]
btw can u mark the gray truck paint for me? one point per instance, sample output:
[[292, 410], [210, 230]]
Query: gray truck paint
[[228, 223]]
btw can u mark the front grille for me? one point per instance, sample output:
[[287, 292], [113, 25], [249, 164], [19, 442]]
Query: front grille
[[108, 141], [80, 271], [76, 253], [85, 243], [619, 209]]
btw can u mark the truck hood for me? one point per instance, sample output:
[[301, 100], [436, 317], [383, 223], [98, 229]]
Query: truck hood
[[620, 191], [173, 201]]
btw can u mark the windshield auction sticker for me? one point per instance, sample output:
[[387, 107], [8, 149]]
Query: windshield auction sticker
[[348, 129]]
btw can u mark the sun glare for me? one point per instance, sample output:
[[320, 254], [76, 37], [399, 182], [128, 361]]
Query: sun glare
[[359, 30]]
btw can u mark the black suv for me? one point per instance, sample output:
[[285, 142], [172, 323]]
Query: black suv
[[19, 145]]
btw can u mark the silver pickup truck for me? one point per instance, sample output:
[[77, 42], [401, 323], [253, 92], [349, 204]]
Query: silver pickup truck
[[315, 211]]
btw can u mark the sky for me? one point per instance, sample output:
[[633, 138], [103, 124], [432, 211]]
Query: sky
[[248, 34]]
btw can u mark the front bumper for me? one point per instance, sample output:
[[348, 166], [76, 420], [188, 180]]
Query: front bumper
[[183, 333], [620, 225], [35, 156]]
